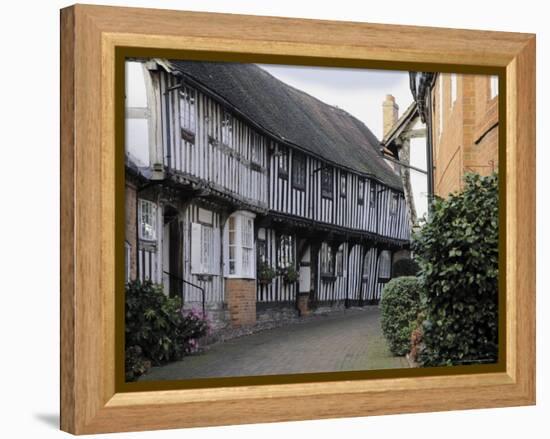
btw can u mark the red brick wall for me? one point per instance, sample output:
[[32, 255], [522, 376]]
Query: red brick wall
[[468, 141], [240, 295]]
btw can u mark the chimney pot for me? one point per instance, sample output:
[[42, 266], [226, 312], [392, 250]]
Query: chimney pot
[[390, 113]]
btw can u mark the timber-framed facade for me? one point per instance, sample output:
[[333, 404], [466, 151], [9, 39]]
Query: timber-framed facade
[[231, 173]]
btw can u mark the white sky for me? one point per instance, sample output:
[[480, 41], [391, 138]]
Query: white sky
[[358, 91], [361, 93]]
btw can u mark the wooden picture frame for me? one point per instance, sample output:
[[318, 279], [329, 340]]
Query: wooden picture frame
[[91, 399]]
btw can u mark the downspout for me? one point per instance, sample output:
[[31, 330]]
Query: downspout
[[429, 148]]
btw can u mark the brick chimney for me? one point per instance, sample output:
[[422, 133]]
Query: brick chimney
[[390, 112]]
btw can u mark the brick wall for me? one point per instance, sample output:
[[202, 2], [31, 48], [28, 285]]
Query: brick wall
[[131, 206], [240, 296], [468, 140]]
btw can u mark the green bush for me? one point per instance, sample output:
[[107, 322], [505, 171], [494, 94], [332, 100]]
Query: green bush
[[457, 250], [399, 306], [157, 325], [405, 267]]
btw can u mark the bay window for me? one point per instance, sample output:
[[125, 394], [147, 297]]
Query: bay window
[[239, 244]]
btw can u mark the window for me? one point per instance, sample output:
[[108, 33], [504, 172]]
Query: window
[[394, 204], [203, 251], [285, 257], [148, 220], [127, 260], [453, 88], [493, 84], [372, 197], [227, 129], [327, 260], [361, 192], [339, 261], [440, 104], [261, 250], [326, 183], [255, 149], [343, 184], [366, 266], [283, 163], [299, 171], [384, 265], [240, 245], [187, 113]]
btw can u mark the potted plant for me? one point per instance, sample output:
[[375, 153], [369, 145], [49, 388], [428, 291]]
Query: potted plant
[[290, 274], [266, 273]]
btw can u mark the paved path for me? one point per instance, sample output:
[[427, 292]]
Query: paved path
[[348, 340]]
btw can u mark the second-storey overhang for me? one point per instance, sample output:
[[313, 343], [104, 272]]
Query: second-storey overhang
[[312, 229]]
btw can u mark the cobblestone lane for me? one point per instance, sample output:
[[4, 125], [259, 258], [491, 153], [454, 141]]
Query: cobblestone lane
[[347, 340]]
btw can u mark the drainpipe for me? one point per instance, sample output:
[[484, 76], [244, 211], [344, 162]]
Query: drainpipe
[[429, 150]]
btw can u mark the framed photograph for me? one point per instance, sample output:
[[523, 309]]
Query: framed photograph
[[268, 219]]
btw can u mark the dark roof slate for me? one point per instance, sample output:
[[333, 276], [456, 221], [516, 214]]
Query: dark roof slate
[[293, 116]]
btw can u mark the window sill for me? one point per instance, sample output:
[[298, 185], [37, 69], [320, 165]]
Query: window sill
[[239, 276]]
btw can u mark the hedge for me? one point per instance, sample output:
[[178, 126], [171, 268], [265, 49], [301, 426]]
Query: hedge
[[457, 250], [399, 306]]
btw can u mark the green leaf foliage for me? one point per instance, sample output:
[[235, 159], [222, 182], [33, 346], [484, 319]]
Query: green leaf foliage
[[157, 330], [457, 250], [399, 306]]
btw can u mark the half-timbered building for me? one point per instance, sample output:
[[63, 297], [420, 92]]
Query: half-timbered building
[[245, 195]]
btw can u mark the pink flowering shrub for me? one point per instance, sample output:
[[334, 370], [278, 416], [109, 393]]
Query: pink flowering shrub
[[157, 329], [196, 326]]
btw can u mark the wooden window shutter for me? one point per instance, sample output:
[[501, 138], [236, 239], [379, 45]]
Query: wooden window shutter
[[196, 248]]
